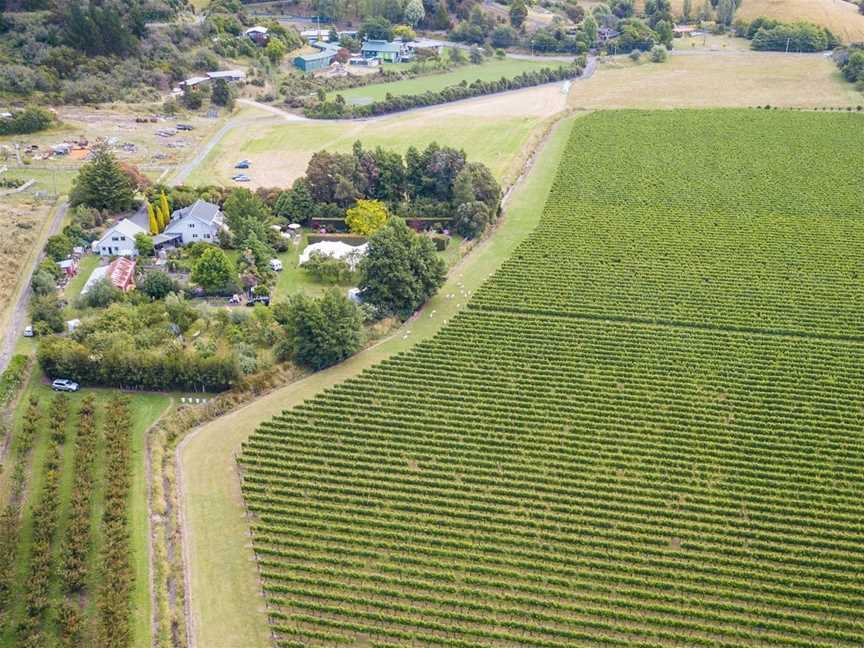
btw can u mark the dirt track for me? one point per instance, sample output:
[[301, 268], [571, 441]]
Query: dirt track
[[19, 313]]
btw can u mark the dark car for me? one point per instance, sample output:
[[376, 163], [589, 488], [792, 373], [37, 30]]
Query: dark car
[[185, 127], [263, 299]]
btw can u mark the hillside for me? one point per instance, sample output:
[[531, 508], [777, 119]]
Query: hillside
[[842, 18]]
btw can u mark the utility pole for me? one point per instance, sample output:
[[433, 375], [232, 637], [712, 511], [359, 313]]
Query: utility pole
[[787, 44]]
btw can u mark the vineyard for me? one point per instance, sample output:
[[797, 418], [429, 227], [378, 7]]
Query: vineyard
[[647, 429]]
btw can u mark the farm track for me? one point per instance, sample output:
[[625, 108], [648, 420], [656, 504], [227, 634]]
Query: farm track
[[19, 313]]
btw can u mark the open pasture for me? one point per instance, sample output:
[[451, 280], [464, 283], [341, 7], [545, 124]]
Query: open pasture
[[602, 466], [494, 130]]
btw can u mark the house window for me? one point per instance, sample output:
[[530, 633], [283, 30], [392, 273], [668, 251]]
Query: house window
[[122, 238], [114, 238], [191, 225], [207, 236], [194, 236]]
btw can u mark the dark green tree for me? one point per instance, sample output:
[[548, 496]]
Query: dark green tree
[[296, 205], [101, 183], [322, 332], [43, 283], [401, 269], [441, 20], [222, 94], [377, 28], [471, 219], [246, 214], [58, 247], [46, 314], [157, 285]]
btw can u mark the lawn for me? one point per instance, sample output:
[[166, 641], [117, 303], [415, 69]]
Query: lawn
[[491, 70], [145, 408], [211, 500]]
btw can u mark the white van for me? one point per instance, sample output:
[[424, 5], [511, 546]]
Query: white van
[[275, 265]]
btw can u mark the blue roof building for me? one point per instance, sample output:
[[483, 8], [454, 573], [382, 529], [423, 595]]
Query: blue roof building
[[391, 52], [318, 60]]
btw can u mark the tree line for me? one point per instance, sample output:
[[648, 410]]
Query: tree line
[[768, 34], [338, 109]]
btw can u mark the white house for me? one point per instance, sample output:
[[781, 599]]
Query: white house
[[199, 222], [119, 240]]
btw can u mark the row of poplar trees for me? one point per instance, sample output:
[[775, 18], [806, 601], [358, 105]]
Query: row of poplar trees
[[160, 215]]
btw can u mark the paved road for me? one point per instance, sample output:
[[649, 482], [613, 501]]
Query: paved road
[[19, 314]]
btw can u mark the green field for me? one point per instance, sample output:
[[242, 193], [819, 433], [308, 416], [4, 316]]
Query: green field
[[491, 70], [145, 409], [571, 462], [280, 151]]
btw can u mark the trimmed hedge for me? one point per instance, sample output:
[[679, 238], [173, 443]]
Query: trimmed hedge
[[349, 239]]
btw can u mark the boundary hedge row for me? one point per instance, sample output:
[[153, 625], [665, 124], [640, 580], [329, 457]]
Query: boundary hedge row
[[341, 110]]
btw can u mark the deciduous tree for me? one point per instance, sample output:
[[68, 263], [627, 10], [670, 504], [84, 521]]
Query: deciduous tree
[[323, 331], [367, 217], [214, 271], [401, 269]]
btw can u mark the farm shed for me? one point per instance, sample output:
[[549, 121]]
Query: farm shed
[[318, 60], [228, 75], [390, 52]]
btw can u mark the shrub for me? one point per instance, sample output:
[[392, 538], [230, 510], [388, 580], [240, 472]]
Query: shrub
[[659, 54]]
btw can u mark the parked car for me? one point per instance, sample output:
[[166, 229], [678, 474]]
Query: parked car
[[28, 331], [243, 164], [185, 127], [62, 384], [275, 265], [241, 177], [262, 299]]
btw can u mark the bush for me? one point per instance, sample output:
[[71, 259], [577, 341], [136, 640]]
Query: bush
[[658, 54], [328, 269], [29, 120], [157, 285], [322, 332], [100, 294]]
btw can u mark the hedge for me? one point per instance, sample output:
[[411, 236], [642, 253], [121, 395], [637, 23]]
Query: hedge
[[336, 110]]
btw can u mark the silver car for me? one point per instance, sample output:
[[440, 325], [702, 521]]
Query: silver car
[[61, 384]]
